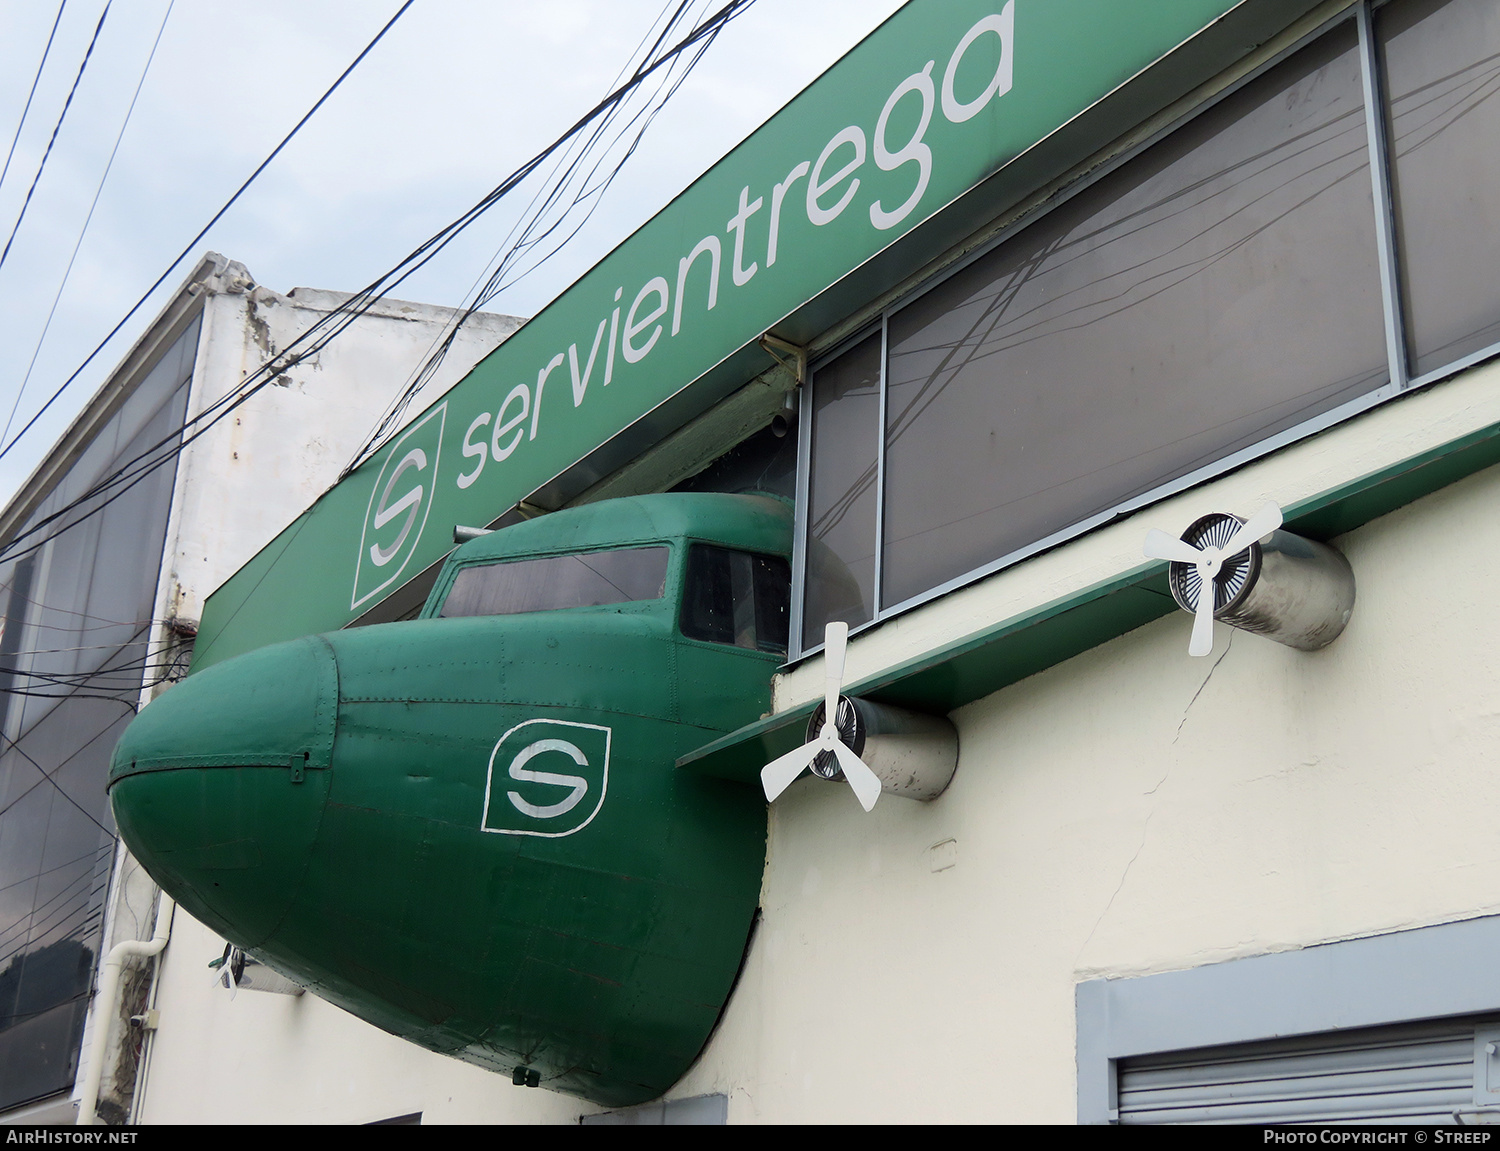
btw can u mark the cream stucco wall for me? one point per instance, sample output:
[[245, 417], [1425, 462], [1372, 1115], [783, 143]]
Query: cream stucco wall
[[1131, 810], [266, 1058], [1135, 810]]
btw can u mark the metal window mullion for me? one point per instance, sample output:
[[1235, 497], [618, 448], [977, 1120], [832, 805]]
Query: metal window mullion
[[800, 518], [1385, 216], [879, 595]]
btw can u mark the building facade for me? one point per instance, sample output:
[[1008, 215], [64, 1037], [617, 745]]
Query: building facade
[[1027, 281], [105, 583]]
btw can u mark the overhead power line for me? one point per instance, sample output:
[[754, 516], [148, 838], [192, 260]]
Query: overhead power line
[[549, 188], [549, 221], [217, 216], [51, 777], [56, 128], [328, 326], [83, 231], [92, 856], [35, 80]]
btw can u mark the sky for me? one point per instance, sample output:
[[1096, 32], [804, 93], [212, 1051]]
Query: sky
[[456, 96]]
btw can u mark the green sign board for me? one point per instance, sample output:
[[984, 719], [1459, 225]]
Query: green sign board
[[939, 97]]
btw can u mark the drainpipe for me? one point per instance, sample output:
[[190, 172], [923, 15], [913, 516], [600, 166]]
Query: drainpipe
[[106, 1003]]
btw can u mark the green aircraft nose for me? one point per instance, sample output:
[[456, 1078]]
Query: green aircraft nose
[[219, 785]]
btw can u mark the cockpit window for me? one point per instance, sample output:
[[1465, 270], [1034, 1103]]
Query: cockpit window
[[591, 579], [737, 597]]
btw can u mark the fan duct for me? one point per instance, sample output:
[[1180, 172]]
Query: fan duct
[[1296, 591], [238, 971], [912, 754]]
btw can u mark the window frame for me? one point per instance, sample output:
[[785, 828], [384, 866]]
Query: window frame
[[1427, 973], [1398, 353], [681, 600], [671, 583]]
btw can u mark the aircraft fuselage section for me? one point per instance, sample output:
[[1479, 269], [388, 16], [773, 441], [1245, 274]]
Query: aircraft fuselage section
[[469, 831]]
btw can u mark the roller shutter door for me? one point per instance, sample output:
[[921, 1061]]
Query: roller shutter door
[[1412, 1073]]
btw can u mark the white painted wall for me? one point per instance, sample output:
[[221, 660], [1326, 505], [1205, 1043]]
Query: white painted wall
[[257, 470], [265, 1058]]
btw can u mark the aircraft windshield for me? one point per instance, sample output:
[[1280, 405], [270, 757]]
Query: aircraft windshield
[[737, 597], [591, 579]]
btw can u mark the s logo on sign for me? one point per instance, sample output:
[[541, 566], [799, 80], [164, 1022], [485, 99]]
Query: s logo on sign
[[547, 777], [399, 503]]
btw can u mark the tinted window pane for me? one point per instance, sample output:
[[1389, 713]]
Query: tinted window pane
[[589, 580], [773, 603], [1443, 83], [764, 463], [73, 660], [1219, 288], [841, 493], [737, 598]]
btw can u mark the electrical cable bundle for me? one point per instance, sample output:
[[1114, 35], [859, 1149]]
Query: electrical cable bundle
[[330, 325], [587, 158], [567, 199]]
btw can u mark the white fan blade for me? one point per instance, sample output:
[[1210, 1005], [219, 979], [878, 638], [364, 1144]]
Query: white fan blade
[[835, 643], [1203, 619], [866, 783], [1160, 546], [782, 772], [1262, 523]]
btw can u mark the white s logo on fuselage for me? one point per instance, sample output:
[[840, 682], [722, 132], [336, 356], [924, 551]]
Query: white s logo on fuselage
[[521, 773]]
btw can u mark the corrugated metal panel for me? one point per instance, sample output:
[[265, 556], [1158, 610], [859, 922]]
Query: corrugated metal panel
[[1416, 1073]]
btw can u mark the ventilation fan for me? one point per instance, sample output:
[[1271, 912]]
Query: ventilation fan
[[872, 747], [236, 970], [1262, 580]]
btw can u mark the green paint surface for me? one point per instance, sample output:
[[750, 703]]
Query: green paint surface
[[535, 406], [326, 804]]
